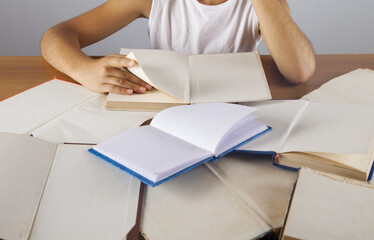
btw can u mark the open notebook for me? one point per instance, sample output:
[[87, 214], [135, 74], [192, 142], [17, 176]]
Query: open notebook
[[179, 79], [181, 138], [326, 206], [334, 138], [51, 191]]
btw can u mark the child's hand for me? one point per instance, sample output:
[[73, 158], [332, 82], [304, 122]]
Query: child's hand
[[105, 75]]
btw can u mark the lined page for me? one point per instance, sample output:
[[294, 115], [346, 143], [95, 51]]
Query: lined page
[[201, 124], [151, 153]]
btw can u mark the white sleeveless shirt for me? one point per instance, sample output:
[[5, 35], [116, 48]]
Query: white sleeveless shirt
[[190, 27]]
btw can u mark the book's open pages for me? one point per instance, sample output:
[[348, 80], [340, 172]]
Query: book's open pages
[[230, 77], [355, 87], [179, 138], [62, 192], [319, 135], [198, 205], [59, 111], [327, 206]]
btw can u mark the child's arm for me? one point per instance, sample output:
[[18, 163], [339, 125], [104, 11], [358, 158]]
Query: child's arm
[[290, 49], [61, 47]]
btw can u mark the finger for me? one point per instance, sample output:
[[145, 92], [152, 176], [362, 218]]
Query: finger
[[125, 84], [121, 61], [115, 72], [116, 89]]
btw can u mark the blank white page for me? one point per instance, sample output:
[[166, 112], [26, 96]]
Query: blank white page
[[151, 153], [201, 124]]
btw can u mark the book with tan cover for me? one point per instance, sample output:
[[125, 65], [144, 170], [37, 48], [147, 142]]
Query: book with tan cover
[[326, 206], [178, 79], [334, 138]]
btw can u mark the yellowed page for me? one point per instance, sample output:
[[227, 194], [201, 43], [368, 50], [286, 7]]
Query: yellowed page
[[197, 205], [324, 208], [230, 77], [86, 198], [281, 116], [332, 128], [25, 163], [265, 188], [356, 87], [166, 70]]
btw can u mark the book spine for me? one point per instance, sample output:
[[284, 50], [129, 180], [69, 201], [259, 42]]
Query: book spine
[[276, 163]]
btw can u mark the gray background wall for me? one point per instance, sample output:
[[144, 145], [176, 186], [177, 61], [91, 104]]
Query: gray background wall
[[333, 26]]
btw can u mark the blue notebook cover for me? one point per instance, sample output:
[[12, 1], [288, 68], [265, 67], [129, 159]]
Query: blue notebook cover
[[153, 184]]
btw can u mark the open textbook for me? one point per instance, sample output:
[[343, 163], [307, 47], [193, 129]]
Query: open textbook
[[334, 138], [233, 198], [51, 191], [356, 87], [326, 206], [178, 79], [179, 139], [60, 111]]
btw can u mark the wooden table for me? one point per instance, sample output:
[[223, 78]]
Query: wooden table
[[20, 73]]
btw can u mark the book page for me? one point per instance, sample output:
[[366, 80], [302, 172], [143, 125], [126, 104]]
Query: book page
[[86, 198], [151, 153], [324, 208], [24, 168], [355, 87], [281, 115], [198, 205], [31, 109], [230, 77], [153, 95], [167, 70], [262, 186], [332, 128], [90, 123], [203, 125]]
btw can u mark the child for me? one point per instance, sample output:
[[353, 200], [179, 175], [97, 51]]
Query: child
[[187, 26]]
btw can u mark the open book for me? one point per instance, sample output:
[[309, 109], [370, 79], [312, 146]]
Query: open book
[[60, 111], [179, 79], [239, 192], [355, 87], [327, 206], [333, 138], [179, 139], [51, 191]]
